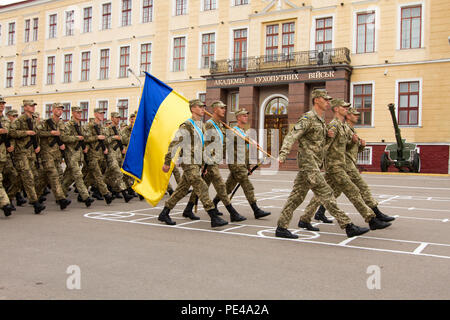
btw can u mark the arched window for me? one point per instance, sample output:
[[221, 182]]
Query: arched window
[[276, 106]]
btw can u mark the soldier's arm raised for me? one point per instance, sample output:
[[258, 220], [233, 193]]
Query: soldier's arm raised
[[299, 129]]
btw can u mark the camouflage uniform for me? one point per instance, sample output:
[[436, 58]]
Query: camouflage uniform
[[11, 180], [113, 175], [126, 135], [4, 199], [310, 132]]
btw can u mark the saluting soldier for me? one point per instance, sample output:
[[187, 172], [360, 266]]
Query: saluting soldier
[[26, 148], [310, 132], [192, 159]]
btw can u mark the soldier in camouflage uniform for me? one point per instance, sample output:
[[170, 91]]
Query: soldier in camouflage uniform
[[5, 204], [52, 148], [73, 138], [25, 152], [126, 135], [354, 146], [336, 175], [215, 133], [240, 166], [310, 131], [191, 154]]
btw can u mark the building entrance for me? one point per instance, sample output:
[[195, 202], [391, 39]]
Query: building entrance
[[276, 117]]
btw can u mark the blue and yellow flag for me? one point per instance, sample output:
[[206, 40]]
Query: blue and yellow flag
[[161, 111]]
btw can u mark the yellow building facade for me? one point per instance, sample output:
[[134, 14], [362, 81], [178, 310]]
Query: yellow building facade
[[266, 56]]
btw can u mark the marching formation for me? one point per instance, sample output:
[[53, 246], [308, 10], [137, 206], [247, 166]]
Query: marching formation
[[32, 151]]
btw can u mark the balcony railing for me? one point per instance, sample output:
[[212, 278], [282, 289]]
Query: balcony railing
[[282, 61]]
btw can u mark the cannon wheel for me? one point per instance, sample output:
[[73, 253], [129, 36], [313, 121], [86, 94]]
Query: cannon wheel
[[416, 162], [384, 162]]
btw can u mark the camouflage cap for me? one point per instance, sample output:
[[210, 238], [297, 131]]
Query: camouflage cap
[[57, 105], [76, 109], [196, 102], [99, 110], [218, 104], [2, 100], [339, 103], [318, 93], [352, 110], [115, 115], [29, 103], [108, 122], [133, 115], [12, 112], [241, 111]]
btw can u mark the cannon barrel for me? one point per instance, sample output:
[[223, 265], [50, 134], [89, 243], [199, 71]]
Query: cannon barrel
[[398, 136]]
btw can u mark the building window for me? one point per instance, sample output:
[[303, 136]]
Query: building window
[[12, 33], [240, 49], [9, 74], [85, 65], [271, 42], [103, 104], [124, 61], [70, 22], [52, 26], [35, 28], [146, 57], [33, 72], [27, 30], [84, 106], [362, 101], [408, 103], [104, 64], [208, 49], [411, 27], [234, 99], [51, 70], [365, 157], [87, 19], [26, 69], [240, 2], [202, 97], [324, 33], [209, 5], [147, 11], [365, 32], [67, 68], [106, 16], [122, 108], [66, 113], [181, 7], [48, 111], [178, 53], [126, 13], [287, 46]]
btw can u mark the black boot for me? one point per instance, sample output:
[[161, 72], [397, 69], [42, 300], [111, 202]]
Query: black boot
[[258, 212], [13, 208], [216, 221], [375, 224], [234, 215], [42, 199], [285, 233], [79, 198], [126, 196], [63, 203], [131, 192], [188, 213], [96, 194], [116, 195], [353, 230], [46, 191], [216, 201], [20, 200], [88, 202], [381, 216], [140, 197], [108, 198], [164, 217], [320, 215], [7, 210], [307, 226], [38, 207]]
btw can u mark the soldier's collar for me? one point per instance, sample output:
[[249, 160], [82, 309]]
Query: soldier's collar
[[317, 115]]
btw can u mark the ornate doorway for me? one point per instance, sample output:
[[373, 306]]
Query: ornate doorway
[[276, 117]]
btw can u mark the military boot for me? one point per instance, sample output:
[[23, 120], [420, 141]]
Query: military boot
[[353, 230], [13, 208], [140, 197], [216, 221], [258, 212], [63, 203], [375, 224], [188, 213], [46, 191], [88, 201], [307, 226], [42, 199], [117, 195], [164, 217], [234, 215], [131, 192], [285, 233], [38, 207], [20, 200], [126, 197], [96, 194], [320, 215], [381, 216], [216, 201], [7, 210], [108, 198]]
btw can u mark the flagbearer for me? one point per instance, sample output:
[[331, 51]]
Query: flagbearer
[[191, 154]]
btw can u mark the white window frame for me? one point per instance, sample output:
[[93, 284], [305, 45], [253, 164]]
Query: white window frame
[[118, 60], [97, 105], [355, 27], [185, 52], [312, 44], [231, 46], [70, 109], [46, 69], [141, 12], [174, 9], [47, 25], [65, 23], [100, 15], [63, 60], [6, 74], [419, 120], [232, 3], [81, 66], [120, 14], [139, 57], [202, 6], [373, 100], [109, 62], [117, 105], [370, 161], [15, 33], [399, 21], [89, 107], [200, 47], [92, 18]]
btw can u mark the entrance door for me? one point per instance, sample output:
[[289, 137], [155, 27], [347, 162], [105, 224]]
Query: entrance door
[[240, 50], [276, 117]]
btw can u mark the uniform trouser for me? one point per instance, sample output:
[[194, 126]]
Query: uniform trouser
[[51, 166], [94, 173], [340, 182], [213, 176], [73, 174], [24, 165], [113, 175], [311, 180], [13, 181], [239, 174], [364, 189], [176, 173], [4, 199], [191, 177]]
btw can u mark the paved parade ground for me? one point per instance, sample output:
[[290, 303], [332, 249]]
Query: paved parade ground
[[122, 251]]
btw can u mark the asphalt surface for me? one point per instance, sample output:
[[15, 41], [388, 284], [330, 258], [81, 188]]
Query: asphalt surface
[[121, 251]]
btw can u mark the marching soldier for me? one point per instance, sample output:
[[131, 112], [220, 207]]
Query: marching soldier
[[240, 168], [5, 204], [310, 131], [191, 165], [126, 135], [23, 130]]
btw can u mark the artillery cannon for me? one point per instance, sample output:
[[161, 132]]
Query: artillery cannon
[[401, 154]]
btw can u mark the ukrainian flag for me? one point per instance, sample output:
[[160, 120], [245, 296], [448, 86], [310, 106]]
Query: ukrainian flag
[[161, 111]]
